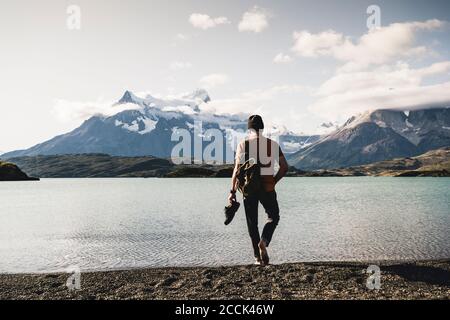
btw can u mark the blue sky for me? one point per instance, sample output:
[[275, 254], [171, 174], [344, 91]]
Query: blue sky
[[298, 63]]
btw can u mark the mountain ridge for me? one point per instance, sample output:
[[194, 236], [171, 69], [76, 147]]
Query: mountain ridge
[[375, 136], [146, 129]]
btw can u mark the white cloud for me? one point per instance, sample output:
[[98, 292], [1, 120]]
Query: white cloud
[[182, 37], [68, 111], [372, 74], [378, 46], [277, 104], [254, 20], [204, 21], [214, 80], [276, 91], [387, 87], [178, 65], [282, 58], [313, 45], [392, 77]]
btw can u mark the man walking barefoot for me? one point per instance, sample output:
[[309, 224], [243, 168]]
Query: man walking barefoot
[[265, 152]]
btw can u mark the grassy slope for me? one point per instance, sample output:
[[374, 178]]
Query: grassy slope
[[433, 163], [92, 165], [102, 165]]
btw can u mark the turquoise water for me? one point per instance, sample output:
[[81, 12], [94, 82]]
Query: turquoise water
[[99, 224]]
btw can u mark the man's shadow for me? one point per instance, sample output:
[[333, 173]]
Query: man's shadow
[[411, 272]]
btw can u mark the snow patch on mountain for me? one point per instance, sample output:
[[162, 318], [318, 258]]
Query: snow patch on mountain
[[141, 124], [150, 125], [327, 127], [381, 124], [199, 95], [183, 109], [291, 147], [133, 127]]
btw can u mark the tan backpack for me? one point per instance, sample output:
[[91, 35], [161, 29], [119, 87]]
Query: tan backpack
[[249, 174]]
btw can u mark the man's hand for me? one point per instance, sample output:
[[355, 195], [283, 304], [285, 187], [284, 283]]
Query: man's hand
[[232, 197], [284, 167]]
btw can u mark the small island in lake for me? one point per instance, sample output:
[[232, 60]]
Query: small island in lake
[[11, 172]]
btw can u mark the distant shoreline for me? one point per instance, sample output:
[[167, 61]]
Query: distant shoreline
[[434, 163], [312, 280]]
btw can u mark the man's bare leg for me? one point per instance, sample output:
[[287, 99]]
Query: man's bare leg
[[263, 252]]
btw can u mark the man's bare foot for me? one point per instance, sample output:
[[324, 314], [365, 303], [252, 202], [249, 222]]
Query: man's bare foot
[[263, 252], [258, 262]]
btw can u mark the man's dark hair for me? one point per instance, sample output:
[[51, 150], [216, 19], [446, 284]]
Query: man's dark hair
[[255, 122]]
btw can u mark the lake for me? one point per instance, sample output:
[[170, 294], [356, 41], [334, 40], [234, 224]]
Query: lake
[[101, 224]]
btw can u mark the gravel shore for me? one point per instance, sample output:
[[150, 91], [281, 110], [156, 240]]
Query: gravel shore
[[339, 280]]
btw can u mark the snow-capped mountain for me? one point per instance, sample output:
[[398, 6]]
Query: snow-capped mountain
[[183, 103], [146, 125], [375, 136]]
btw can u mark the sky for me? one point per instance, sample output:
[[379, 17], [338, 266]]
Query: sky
[[297, 63]]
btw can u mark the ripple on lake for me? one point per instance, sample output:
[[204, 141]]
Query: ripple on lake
[[125, 223]]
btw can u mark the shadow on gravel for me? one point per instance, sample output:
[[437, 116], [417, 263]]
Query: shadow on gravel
[[430, 275]]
